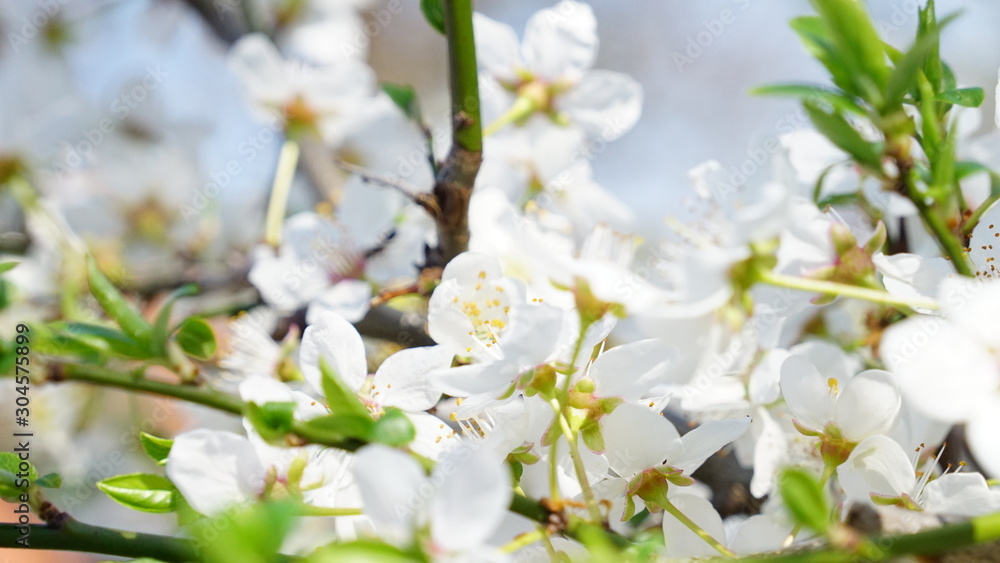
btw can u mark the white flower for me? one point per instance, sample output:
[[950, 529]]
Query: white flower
[[552, 68], [948, 367], [878, 471], [462, 502], [324, 100], [844, 405]]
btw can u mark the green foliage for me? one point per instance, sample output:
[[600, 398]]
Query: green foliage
[[116, 306], [12, 478], [405, 98], [804, 498], [50, 481], [271, 420], [364, 551], [393, 428], [155, 447], [434, 13], [253, 535], [340, 399], [142, 491], [196, 338]]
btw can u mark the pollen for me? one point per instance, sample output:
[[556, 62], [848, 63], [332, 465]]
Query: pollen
[[453, 417], [482, 275], [833, 385]]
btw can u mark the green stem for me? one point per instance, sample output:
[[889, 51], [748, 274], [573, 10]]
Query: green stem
[[947, 240], [463, 75], [844, 290], [522, 108], [454, 181], [309, 510], [691, 525], [72, 535], [288, 161], [973, 220], [194, 394], [581, 470]]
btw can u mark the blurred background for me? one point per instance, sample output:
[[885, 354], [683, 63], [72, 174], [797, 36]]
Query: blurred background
[[159, 68]]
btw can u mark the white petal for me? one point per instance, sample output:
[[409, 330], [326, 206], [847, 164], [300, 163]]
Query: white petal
[[630, 451], [468, 268], [960, 494], [631, 369], [984, 235], [758, 534], [338, 342], [807, 393], [940, 370], [349, 299], [561, 42], [471, 501], [523, 342], [983, 437], [877, 465], [605, 104], [708, 438], [910, 275], [770, 453], [681, 541], [474, 379], [402, 381], [214, 470], [868, 404], [394, 490], [497, 48]]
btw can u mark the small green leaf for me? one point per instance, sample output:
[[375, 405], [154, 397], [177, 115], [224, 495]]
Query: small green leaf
[[7, 266], [340, 399], [271, 420], [434, 12], [157, 448], [817, 41], [393, 428], [833, 97], [804, 497], [965, 97], [14, 481], [842, 134], [404, 97], [102, 338], [50, 481], [253, 535], [196, 338], [116, 306], [340, 427], [363, 551], [141, 491], [857, 45], [160, 329]]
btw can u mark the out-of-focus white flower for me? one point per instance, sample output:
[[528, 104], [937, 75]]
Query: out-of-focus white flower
[[461, 503], [551, 71]]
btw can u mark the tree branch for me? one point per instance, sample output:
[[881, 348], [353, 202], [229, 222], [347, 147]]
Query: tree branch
[[453, 186], [72, 535]]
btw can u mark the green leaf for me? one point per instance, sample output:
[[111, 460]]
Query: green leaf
[[157, 448], [160, 329], [965, 97], [116, 306], [434, 13], [12, 478], [340, 427], [7, 266], [102, 338], [251, 536], [835, 98], [142, 491], [966, 168], [363, 551], [904, 75], [804, 497], [857, 45], [196, 338], [50, 481], [405, 98], [842, 134], [271, 420], [393, 428], [340, 399], [818, 43]]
